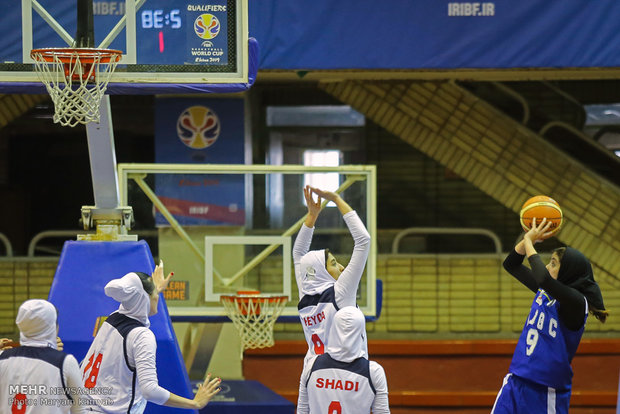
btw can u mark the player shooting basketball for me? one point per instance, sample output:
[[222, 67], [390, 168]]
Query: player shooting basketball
[[540, 375], [343, 380], [324, 284], [122, 356]]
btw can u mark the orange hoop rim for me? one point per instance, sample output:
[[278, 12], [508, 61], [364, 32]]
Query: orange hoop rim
[[67, 54], [248, 292], [248, 297]]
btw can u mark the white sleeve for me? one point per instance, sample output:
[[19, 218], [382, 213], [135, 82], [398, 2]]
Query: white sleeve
[[141, 348], [73, 381], [345, 287], [300, 248], [303, 404], [381, 404]]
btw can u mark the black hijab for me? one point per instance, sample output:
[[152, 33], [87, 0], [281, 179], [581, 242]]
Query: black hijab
[[576, 272]]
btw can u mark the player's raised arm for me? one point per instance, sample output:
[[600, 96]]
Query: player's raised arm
[[304, 237], [342, 205], [349, 278], [514, 261], [159, 281], [314, 207]]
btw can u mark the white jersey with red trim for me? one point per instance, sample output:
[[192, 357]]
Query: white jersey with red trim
[[337, 387], [33, 381], [106, 366], [122, 356], [316, 313], [343, 380], [36, 378]]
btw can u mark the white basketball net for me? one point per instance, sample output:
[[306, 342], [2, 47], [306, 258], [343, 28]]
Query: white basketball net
[[75, 81], [254, 317]]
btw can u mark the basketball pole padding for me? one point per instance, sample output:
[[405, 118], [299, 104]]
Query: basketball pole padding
[[84, 268]]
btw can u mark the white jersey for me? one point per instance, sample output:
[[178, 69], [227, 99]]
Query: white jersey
[[339, 387], [316, 313], [35, 380], [343, 380], [106, 366]]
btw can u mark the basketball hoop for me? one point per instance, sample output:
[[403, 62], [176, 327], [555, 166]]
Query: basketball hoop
[[254, 315], [76, 79]]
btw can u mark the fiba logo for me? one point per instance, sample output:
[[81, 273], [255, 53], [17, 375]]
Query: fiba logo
[[207, 26], [198, 127]]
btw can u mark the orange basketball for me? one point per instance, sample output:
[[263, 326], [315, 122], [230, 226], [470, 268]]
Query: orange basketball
[[540, 207]]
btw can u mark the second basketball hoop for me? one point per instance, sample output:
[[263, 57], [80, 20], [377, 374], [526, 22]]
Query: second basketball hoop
[[254, 315]]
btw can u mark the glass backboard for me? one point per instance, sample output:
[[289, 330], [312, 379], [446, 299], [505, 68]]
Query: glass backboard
[[224, 228]]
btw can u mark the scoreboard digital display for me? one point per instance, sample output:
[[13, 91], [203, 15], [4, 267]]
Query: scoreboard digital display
[[185, 33]]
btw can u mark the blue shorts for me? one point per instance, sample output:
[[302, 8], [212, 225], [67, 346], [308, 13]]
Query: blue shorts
[[520, 396]]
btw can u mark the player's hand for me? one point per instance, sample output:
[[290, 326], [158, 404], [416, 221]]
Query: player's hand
[[327, 195], [5, 344], [538, 233], [207, 390], [314, 207], [59, 345], [158, 277]]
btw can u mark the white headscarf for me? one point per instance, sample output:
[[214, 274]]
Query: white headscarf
[[314, 275], [36, 319], [135, 302], [346, 340]]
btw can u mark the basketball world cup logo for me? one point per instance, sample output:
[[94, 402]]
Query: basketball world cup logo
[[198, 127], [207, 26]]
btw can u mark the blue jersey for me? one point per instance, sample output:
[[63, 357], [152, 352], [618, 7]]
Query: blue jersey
[[546, 346]]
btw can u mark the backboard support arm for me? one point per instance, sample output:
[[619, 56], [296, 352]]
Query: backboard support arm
[[107, 215], [27, 43]]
